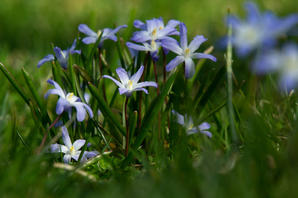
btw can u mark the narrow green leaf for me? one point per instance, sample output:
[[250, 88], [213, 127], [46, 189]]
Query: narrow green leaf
[[32, 89], [13, 82], [105, 110]]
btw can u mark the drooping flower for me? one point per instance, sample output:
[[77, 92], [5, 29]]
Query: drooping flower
[[128, 84], [67, 101], [72, 151], [185, 52], [154, 29], [151, 46], [61, 55], [259, 30], [284, 62], [187, 123], [107, 33]]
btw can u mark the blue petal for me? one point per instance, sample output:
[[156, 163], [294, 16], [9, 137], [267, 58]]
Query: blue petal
[[136, 47], [172, 45], [196, 42], [139, 24], [61, 56], [47, 58], [189, 68], [140, 36], [180, 118], [75, 52], [65, 137], [62, 104], [125, 91], [114, 80], [136, 77], [183, 36], [79, 144], [174, 63], [67, 158], [81, 112], [141, 89], [86, 30], [253, 14], [89, 39], [122, 75], [146, 84], [89, 110], [202, 55]]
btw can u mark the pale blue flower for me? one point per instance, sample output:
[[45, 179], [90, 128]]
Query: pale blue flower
[[67, 101], [154, 29], [284, 62], [152, 47], [61, 55], [259, 30], [187, 123], [107, 33], [128, 84], [72, 151], [186, 53]]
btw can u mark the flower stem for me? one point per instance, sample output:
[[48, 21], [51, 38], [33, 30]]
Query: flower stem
[[141, 94], [127, 127], [101, 73], [155, 75], [164, 82]]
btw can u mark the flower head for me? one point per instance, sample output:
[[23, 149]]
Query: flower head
[[154, 29], [61, 55], [188, 124], [284, 61], [67, 101], [259, 29], [150, 46], [71, 151], [128, 84], [107, 33], [185, 52]]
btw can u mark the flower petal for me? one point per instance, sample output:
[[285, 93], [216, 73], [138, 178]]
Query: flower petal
[[136, 77], [139, 24], [146, 84], [204, 126], [81, 112], [208, 133], [183, 36], [180, 118], [62, 104], [86, 30], [67, 158], [196, 42], [202, 55], [140, 36], [78, 144], [137, 47], [57, 148], [89, 110], [124, 91], [54, 92], [47, 58], [172, 45], [114, 80], [65, 137], [173, 63], [122, 75], [141, 89], [62, 57], [89, 40], [189, 68]]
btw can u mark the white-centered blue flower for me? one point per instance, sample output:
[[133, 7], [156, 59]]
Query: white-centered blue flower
[[61, 55], [72, 151], [128, 84], [186, 53], [92, 36], [284, 62], [187, 123], [150, 46], [259, 30], [67, 101], [154, 29]]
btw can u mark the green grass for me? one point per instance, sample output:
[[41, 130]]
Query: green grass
[[264, 162]]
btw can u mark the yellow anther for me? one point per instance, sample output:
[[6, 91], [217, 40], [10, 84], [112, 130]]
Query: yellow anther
[[154, 32], [72, 149], [70, 95], [153, 45], [160, 28], [187, 52], [190, 126], [129, 84]]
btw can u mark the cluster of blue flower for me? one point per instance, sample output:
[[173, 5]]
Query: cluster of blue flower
[[153, 37], [259, 33]]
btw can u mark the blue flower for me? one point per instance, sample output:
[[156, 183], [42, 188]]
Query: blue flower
[[67, 101], [152, 47], [127, 84], [185, 52], [188, 124], [284, 62], [259, 29], [107, 33], [61, 55], [72, 151], [154, 29]]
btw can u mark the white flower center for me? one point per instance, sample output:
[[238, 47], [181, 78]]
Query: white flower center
[[187, 53], [153, 45], [99, 33], [248, 35], [154, 33], [72, 150], [129, 85], [69, 97]]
